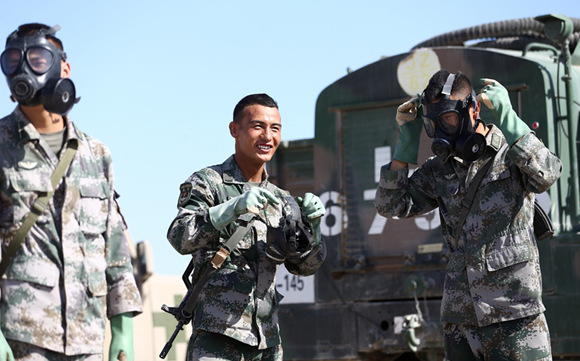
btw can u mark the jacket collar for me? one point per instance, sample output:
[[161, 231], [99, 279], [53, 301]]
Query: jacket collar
[[233, 174], [26, 130]]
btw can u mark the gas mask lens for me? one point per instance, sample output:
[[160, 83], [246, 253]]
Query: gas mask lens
[[10, 61], [39, 60], [449, 122], [429, 126]]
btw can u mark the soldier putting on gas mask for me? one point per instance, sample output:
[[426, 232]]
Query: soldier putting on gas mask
[[483, 180], [235, 307], [65, 260]]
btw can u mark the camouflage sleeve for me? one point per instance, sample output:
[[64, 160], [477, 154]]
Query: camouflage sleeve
[[540, 167], [403, 197], [192, 228], [123, 295]]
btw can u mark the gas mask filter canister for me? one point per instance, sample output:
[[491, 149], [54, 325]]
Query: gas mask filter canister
[[449, 124], [32, 66]]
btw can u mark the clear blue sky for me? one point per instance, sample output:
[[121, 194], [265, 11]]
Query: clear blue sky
[[159, 79]]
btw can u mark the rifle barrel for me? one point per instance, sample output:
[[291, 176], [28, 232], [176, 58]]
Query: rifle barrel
[[169, 343]]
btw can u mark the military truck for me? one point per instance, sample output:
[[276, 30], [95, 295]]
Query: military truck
[[378, 294]]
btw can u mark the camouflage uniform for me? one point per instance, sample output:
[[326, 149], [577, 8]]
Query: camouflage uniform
[[493, 274], [73, 269], [240, 300], [207, 346], [522, 339]]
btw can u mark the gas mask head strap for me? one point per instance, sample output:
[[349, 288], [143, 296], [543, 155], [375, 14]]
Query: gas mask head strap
[[448, 85]]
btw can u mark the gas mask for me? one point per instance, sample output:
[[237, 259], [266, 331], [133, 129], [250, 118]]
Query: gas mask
[[292, 240], [32, 66], [448, 122]]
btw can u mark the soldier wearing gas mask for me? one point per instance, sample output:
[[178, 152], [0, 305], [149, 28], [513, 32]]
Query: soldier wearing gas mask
[[64, 257], [36, 70], [491, 307], [449, 122]]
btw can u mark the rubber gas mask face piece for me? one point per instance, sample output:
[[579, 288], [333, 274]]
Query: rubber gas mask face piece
[[449, 123], [293, 238], [32, 66]]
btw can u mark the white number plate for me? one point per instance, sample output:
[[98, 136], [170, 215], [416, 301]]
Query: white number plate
[[296, 289]]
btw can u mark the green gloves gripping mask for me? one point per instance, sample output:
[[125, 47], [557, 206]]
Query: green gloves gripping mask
[[496, 98], [410, 125]]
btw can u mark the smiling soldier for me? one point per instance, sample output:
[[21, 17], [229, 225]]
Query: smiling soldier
[[236, 314]]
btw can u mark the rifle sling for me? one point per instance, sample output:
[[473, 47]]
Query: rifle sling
[[216, 263], [39, 206]]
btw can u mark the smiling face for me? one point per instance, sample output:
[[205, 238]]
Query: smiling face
[[257, 134]]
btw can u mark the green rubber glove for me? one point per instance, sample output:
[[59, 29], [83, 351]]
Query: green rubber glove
[[5, 350], [496, 98], [250, 201], [410, 125], [121, 338], [313, 210]]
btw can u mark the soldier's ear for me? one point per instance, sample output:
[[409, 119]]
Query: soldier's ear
[[65, 69], [234, 129], [476, 109]]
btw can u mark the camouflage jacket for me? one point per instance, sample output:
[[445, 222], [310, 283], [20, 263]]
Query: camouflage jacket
[[493, 273], [73, 269], [240, 300]]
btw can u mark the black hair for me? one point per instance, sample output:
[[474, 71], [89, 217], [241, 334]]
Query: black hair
[[32, 29], [253, 99], [460, 89]]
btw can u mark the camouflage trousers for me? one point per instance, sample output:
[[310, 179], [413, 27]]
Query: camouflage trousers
[[523, 339], [208, 346], [27, 352]]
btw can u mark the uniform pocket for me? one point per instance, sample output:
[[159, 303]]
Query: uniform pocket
[[508, 256], [26, 187], [97, 284], [95, 263], [35, 270], [37, 180], [94, 206]]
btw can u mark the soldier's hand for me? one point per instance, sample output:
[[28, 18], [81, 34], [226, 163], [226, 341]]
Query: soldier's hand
[[407, 112], [410, 124], [311, 206], [497, 99], [494, 96], [121, 346], [313, 209], [5, 350], [252, 201]]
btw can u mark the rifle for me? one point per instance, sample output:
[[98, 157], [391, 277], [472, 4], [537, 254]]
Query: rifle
[[184, 312], [181, 313]]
